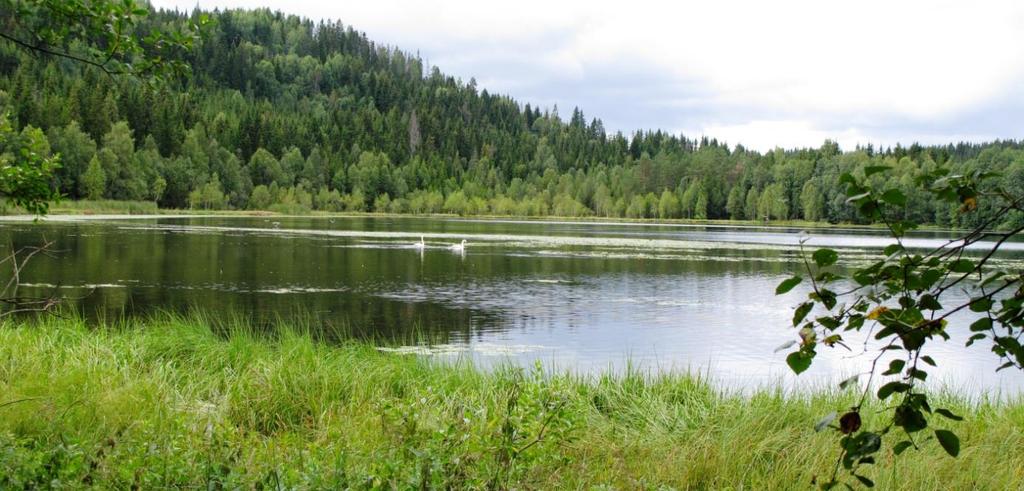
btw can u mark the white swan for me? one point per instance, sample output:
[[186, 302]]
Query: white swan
[[458, 247], [420, 245]]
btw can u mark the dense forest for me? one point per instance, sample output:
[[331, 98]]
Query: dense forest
[[286, 114]]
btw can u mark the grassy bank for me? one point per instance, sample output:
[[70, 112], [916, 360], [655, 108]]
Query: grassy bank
[[168, 403], [107, 206]]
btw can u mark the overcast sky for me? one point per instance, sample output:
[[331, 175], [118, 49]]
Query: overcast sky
[[760, 73]]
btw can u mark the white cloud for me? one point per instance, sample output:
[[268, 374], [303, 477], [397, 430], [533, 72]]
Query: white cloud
[[765, 135], [876, 70], [796, 133]]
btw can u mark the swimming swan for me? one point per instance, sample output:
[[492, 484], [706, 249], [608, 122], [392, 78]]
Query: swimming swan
[[420, 245], [458, 247]]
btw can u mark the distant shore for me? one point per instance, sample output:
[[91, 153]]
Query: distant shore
[[109, 209]]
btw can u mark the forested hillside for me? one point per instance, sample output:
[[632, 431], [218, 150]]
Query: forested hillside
[[288, 114]]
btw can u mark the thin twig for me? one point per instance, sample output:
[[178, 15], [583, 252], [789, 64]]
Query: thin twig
[[60, 54]]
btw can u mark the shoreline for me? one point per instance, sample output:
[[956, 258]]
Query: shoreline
[[70, 214]]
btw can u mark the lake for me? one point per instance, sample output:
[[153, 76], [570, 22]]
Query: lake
[[579, 296]]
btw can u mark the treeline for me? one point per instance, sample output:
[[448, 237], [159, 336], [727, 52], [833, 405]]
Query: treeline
[[286, 114]]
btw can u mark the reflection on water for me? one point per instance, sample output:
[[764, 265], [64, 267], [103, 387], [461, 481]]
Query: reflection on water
[[582, 296]]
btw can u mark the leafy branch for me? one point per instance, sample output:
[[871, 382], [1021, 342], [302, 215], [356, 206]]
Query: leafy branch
[[102, 34], [899, 298]]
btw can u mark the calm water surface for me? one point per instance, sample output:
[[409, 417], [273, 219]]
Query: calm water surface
[[579, 296]]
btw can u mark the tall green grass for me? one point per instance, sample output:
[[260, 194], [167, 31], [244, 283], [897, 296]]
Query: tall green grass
[[105, 207], [172, 401]]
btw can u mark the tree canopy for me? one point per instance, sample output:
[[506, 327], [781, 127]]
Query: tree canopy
[[102, 35], [281, 106]]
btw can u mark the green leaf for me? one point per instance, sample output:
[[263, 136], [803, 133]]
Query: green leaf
[[990, 277], [949, 441], [868, 209], [948, 414], [875, 169], [927, 359], [799, 361], [825, 257], [830, 323], [824, 422], [892, 249], [787, 285], [982, 325], [868, 483], [863, 277], [827, 277], [801, 312], [888, 389], [894, 197], [981, 304], [827, 298], [899, 228], [850, 381], [895, 366], [974, 338], [961, 266], [930, 276], [928, 302], [901, 447], [918, 374], [910, 418], [785, 346], [866, 443]]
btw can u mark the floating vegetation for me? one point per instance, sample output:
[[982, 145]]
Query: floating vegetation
[[484, 349]]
